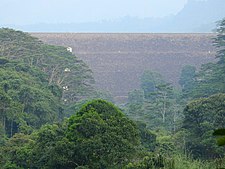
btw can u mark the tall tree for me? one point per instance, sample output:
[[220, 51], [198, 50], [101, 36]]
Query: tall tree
[[201, 117], [149, 81], [210, 79], [103, 135], [156, 104], [187, 79]]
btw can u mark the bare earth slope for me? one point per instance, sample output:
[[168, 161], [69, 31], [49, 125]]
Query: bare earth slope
[[118, 60]]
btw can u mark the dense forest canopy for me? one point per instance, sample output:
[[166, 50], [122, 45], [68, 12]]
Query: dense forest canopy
[[37, 80], [47, 122], [62, 68]]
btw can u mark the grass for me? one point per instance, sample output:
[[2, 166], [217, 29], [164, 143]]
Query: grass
[[185, 162]]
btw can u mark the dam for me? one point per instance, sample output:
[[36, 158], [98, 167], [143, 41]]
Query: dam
[[119, 59]]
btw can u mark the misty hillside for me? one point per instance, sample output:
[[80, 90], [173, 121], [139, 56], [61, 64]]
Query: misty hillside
[[198, 16]]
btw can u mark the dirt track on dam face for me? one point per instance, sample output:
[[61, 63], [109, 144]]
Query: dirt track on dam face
[[118, 60]]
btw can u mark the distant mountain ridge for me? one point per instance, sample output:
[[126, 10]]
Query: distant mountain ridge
[[199, 16], [195, 17]]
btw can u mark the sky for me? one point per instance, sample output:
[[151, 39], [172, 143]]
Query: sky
[[25, 12]]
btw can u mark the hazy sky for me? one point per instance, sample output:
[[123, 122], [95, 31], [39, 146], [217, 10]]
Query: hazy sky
[[23, 12]]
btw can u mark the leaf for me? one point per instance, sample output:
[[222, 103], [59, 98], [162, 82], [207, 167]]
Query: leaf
[[219, 132], [221, 141]]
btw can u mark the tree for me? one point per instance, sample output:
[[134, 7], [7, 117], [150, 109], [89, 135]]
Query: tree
[[201, 117], [157, 104], [102, 135], [219, 41], [51, 148], [61, 68], [99, 135], [27, 100], [36, 80], [221, 139], [157, 92], [136, 97], [210, 79], [163, 94], [187, 78], [148, 138], [149, 81], [2, 134], [17, 151]]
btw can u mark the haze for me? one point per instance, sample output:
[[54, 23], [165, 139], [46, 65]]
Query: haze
[[111, 15], [68, 11]]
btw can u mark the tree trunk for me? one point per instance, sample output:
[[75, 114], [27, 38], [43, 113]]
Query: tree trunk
[[11, 130]]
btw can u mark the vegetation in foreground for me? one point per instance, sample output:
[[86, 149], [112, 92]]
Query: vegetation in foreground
[[45, 124]]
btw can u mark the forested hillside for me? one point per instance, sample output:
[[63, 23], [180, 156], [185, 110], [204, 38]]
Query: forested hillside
[[48, 119], [185, 119], [36, 81], [62, 68]]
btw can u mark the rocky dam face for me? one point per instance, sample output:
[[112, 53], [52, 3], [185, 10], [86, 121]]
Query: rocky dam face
[[118, 60]]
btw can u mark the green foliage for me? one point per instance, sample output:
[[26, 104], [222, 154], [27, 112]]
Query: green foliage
[[3, 61], [2, 134], [165, 143], [221, 139], [136, 97], [161, 108], [210, 79], [35, 79], [149, 81], [106, 109], [176, 161], [201, 118], [61, 68], [98, 136], [219, 41], [25, 99], [51, 148], [187, 79], [104, 95], [157, 104], [148, 139], [152, 161], [186, 162], [39, 81], [75, 107], [107, 137], [17, 150]]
